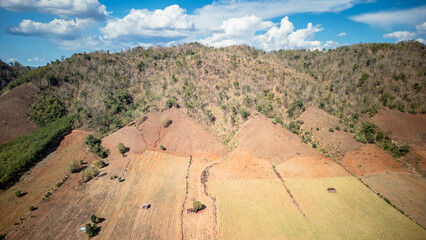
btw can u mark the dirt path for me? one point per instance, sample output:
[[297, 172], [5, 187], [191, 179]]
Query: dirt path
[[289, 193], [204, 180]]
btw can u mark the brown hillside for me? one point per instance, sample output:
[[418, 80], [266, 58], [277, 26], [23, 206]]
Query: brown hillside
[[314, 166], [370, 160], [263, 139], [15, 107], [337, 142]]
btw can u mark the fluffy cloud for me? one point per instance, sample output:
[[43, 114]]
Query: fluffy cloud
[[400, 35], [243, 31], [236, 31], [143, 25], [63, 8], [58, 28], [341, 34], [421, 28], [390, 18], [214, 14], [35, 59]]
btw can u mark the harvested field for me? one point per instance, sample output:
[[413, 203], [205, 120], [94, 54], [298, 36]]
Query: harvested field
[[369, 160], [154, 178], [333, 215], [338, 142], [263, 139], [406, 191], [257, 209], [15, 105], [42, 179], [310, 166]]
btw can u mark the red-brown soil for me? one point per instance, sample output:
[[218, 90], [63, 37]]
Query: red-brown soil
[[405, 128], [15, 107], [263, 139], [42, 179], [313, 166], [337, 142], [370, 160], [240, 164]]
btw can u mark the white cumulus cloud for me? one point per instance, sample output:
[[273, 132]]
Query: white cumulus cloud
[[390, 18], [400, 35], [283, 36], [341, 34], [421, 28], [214, 14], [63, 8], [58, 28], [159, 25]]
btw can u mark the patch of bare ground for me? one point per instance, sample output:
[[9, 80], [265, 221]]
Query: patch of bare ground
[[241, 164], [336, 143], [406, 191], [263, 139], [405, 128], [313, 166], [370, 160], [199, 225], [183, 136], [40, 180], [15, 107]]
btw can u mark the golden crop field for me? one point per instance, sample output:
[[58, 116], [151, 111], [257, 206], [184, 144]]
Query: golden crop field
[[354, 212], [154, 178], [262, 209], [257, 209]]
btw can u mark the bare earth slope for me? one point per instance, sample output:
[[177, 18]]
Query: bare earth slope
[[15, 107], [268, 141]]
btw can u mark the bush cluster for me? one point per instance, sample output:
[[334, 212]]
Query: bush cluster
[[95, 146]]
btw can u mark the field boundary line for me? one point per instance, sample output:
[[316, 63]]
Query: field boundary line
[[204, 179], [186, 195], [289, 193]]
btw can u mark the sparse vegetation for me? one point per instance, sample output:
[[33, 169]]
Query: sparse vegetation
[[31, 208], [17, 193], [73, 166], [197, 206]]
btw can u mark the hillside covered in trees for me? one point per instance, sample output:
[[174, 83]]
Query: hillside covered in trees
[[221, 87]]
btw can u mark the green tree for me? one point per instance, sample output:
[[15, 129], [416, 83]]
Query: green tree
[[197, 206], [47, 109], [73, 166], [94, 219], [121, 148]]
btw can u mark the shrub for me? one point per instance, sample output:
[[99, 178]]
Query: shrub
[[17, 193], [345, 129], [166, 122], [100, 164], [379, 136], [121, 148], [89, 173], [90, 231], [94, 219], [197, 206], [314, 145], [73, 166], [317, 128], [352, 130], [95, 146], [31, 208], [331, 129], [162, 148], [274, 121], [337, 128], [244, 114]]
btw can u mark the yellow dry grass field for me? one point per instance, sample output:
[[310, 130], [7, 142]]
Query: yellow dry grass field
[[354, 212], [257, 209], [262, 209], [154, 178], [406, 191]]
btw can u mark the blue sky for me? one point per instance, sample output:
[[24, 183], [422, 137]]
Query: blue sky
[[35, 32]]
